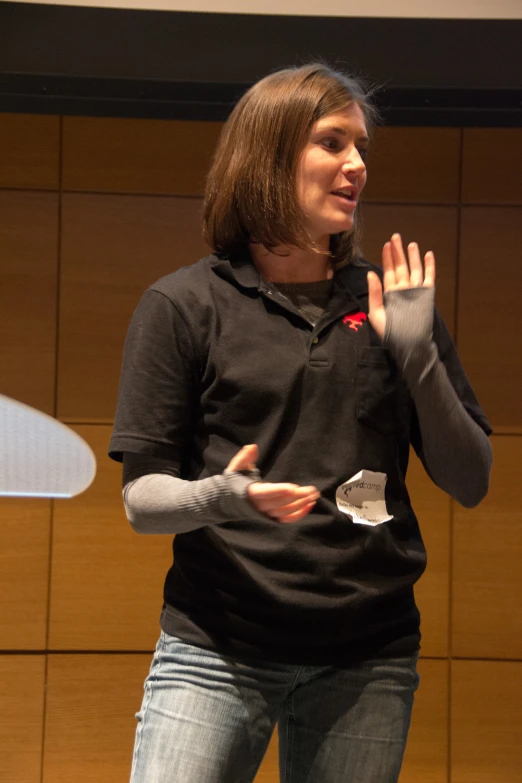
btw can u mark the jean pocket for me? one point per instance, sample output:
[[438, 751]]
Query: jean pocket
[[377, 393]]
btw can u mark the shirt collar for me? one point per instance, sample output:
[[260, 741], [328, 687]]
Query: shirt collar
[[239, 268], [353, 277]]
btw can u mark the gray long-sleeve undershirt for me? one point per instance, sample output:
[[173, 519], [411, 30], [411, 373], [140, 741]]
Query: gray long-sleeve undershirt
[[162, 503], [456, 452]]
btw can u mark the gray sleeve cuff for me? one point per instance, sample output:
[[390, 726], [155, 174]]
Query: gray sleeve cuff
[[409, 331]]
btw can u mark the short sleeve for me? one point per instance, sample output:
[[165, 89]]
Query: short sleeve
[[449, 357], [158, 386]]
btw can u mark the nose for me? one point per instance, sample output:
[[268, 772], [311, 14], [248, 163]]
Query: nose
[[354, 163]]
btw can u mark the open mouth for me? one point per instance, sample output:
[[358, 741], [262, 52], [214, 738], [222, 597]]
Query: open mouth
[[348, 195]]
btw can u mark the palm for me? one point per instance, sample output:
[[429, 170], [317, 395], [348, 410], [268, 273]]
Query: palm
[[399, 273]]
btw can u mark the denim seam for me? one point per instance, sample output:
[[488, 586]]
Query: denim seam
[[146, 703]]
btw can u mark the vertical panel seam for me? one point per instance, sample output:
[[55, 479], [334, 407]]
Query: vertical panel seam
[[55, 410], [452, 502], [458, 239], [58, 268]]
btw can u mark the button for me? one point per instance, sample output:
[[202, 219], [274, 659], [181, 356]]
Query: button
[[315, 341]]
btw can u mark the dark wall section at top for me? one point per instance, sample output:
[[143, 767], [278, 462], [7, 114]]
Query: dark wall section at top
[[193, 65]]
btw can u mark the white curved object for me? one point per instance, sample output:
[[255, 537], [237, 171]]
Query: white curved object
[[40, 456]]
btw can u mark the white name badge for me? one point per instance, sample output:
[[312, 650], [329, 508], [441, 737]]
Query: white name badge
[[362, 498]]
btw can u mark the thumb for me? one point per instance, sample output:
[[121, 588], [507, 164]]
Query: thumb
[[376, 311], [245, 459], [374, 293]]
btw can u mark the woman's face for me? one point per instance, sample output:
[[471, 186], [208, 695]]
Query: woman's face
[[332, 173]]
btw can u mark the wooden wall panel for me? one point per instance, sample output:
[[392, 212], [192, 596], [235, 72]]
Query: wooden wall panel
[[426, 757], [432, 507], [137, 156], [487, 577], [414, 164], [433, 228], [90, 723], [486, 730], [492, 166], [24, 572], [22, 699], [28, 272], [113, 248], [490, 316], [29, 151], [107, 581], [269, 769]]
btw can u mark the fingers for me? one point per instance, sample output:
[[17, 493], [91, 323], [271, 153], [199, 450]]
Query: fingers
[[245, 459], [429, 269], [416, 270], [388, 268], [400, 272], [284, 502], [297, 515]]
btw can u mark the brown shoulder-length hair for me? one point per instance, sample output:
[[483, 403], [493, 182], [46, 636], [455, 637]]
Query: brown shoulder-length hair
[[251, 192]]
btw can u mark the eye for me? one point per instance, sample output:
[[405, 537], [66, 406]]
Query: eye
[[363, 152], [331, 143]]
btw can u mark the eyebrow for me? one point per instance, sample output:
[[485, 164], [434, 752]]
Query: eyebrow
[[341, 131]]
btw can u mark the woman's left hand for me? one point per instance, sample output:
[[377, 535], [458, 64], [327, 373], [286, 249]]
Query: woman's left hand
[[399, 273]]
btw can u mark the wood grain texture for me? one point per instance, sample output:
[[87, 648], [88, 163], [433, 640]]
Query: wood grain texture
[[107, 581], [90, 723], [432, 507], [498, 184], [487, 574], [22, 699], [137, 156], [28, 288], [490, 318], [29, 151], [433, 228], [24, 572], [414, 164], [486, 730], [269, 769], [113, 248], [426, 757]]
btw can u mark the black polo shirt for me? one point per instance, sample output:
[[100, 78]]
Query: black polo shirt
[[216, 358]]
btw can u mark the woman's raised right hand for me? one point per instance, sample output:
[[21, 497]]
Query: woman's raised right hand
[[283, 502]]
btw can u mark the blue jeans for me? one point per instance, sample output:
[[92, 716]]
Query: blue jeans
[[206, 718]]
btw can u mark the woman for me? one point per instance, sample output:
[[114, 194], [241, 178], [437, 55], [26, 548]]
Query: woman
[[290, 599]]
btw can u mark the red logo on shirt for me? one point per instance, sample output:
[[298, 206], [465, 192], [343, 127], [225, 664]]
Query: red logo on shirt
[[354, 320]]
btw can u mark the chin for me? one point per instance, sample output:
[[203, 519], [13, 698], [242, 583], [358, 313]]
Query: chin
[[331, 227], [341, 226]]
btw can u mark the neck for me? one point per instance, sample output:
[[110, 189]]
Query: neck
[[296, 266]]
